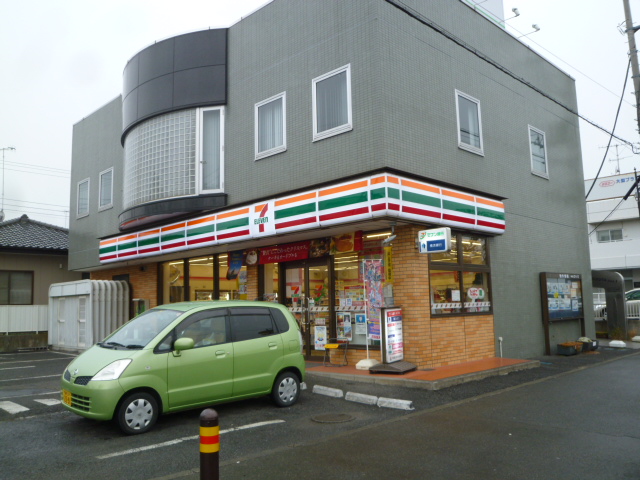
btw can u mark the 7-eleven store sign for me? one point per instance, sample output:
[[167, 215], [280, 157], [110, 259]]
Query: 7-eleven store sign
[[262, 221], [361, 199]]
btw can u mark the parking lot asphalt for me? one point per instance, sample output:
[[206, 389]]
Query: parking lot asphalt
[[404, 435]]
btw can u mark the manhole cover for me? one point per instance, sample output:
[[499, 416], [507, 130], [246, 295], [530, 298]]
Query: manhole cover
[[332, 418]]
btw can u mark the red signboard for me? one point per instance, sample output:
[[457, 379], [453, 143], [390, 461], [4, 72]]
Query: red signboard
[[284, 253]]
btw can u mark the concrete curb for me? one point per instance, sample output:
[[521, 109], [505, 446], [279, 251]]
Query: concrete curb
[[327, 391], [363, 398]]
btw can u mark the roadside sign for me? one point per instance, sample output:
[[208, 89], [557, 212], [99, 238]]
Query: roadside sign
[[435, 240]]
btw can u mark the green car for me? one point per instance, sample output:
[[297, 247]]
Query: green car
[[187, 355]]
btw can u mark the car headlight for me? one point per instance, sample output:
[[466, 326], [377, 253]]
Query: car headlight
[[112, 371]]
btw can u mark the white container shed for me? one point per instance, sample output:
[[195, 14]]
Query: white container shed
[[84, 312]]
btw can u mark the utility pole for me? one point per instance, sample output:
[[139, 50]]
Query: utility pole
[[633, 52]]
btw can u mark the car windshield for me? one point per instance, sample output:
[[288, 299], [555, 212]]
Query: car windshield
[[141, 330]]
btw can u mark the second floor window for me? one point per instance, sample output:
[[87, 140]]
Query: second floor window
[[211, 155], [332, 103], [613, 235], [538, 152], [469, 123], [83, 199], [270, 124], [106, 189]]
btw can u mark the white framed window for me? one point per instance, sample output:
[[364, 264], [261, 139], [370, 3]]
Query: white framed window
[[105, 185], [271, 126], [469, 123], [538, 149], [211, 149], [82, 209], [611, 235], [331, 94]]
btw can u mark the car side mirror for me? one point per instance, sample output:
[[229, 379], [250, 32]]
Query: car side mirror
[[184, 343]]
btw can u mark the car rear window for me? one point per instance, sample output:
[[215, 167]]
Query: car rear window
[[252, 325]]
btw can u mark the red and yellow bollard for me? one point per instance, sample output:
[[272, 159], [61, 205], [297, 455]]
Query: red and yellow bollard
[[209, 445]]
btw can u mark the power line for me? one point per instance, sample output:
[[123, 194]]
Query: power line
[[39, 167], [32, 208], [38, 173], [38, 203], [440, 30], [615, 122]]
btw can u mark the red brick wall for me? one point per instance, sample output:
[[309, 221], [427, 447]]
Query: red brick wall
[[433, 342]]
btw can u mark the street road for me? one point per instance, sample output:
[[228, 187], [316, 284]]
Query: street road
[[572, 418]]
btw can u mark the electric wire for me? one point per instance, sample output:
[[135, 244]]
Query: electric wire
[[615, 122], [440, 30], [608, 215]]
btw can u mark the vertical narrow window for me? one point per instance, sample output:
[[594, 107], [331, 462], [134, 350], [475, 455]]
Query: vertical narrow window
[[469, 123], [106, 190], [212, 149], [332, 103], [538, 152], [270, 124], [83, 198]]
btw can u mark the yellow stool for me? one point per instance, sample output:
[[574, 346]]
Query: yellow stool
[[335, 344]]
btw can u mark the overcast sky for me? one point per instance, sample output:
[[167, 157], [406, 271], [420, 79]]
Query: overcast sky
[[62, 60]]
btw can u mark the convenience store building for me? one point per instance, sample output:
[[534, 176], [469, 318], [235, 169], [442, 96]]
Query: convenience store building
[[302, 167]]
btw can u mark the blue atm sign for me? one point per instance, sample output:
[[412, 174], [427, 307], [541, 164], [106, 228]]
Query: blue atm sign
[[436, 240]]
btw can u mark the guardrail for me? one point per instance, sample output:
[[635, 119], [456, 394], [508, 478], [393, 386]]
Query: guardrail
[[24, 318]]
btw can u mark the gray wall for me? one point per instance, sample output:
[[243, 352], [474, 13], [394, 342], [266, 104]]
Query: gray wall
[[95, 148]]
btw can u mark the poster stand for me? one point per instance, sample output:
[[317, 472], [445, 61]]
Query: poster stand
[[561, 298], [392, 344]]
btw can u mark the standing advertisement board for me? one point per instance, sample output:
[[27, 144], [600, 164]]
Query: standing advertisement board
[[392, 340]]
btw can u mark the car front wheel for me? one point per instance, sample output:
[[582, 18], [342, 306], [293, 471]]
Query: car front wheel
[[137, 413], [286, 389]]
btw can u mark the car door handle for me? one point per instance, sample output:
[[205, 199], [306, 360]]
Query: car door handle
[[273, 345], [221, 353]]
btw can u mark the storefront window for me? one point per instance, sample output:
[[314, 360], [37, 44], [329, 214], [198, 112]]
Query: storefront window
[[173, 281], [271, 282], [201, 286], [459, 279]]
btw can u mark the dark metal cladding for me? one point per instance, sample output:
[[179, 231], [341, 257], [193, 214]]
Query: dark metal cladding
[[187, 71]]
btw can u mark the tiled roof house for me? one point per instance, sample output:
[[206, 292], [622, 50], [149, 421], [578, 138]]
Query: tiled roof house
[[33, 255]]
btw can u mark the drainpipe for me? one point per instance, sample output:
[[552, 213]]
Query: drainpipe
[[500, 341]]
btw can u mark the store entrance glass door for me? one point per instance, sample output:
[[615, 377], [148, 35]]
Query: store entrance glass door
[[307, 295]]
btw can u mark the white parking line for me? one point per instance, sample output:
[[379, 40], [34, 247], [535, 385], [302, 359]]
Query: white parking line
[[55, 392], [49, 401], [12, 408], [30, 378], [183, 439], [16, 368], [34, 361]]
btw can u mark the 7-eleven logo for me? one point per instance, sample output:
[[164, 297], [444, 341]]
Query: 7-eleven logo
[[262, 222]]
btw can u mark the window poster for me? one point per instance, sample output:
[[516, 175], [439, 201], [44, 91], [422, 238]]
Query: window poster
[[374, 282], [320, 337], [361, 324], [343, 329]]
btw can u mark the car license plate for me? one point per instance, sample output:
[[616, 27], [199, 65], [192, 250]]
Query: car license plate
[[66, 397]]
